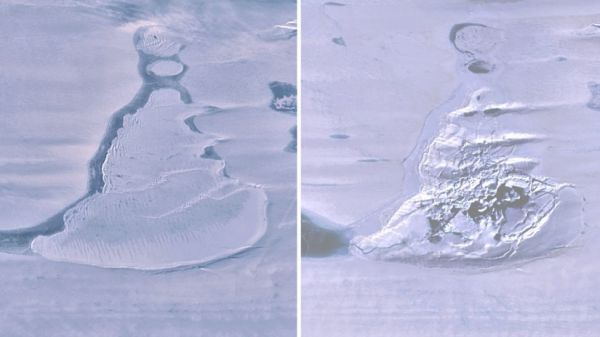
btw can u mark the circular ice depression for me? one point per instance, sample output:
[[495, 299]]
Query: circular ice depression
[[165, 68], [157, 41]]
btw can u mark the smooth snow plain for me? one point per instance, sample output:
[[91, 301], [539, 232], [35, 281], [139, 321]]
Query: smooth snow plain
[[147, 168], [449, 168]]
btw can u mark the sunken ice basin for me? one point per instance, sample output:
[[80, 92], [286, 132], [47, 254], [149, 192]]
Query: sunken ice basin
[[163, 205], [158, 41], [479, 199], [478, 224]]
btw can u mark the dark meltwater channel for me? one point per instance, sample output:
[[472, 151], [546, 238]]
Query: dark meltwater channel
[[148, 45]]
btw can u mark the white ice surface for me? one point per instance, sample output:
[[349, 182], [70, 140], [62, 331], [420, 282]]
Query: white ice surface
[[200, 184], [61, 77], [386, 93], [163, 204]]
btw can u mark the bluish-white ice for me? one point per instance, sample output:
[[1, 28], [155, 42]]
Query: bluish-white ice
[[147, 187], [449, 168]]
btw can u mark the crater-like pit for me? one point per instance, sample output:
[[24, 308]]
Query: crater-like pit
[[480, 67], [158, 41]]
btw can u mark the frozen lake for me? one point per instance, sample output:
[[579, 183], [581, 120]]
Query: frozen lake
[[133, 186]]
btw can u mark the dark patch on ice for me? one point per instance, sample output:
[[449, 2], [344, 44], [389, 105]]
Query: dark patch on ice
[[594, 102], [561, 59], [190, 123], [292, 145], [284, 97], [320, 242], [339, 41], [210, 153], [333, 3], [494, 112], [339, 136], [480, 67]]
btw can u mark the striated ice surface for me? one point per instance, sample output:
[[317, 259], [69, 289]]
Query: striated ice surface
[[160, 193], [160, 205], [163, 205], [477, 200], [164, 68], [450, 168], [284, 97], [146, 186], [62, 77]]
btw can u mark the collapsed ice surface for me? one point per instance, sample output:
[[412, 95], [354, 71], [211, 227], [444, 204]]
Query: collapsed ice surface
[[477, 200], [284, 97], [137, 230]]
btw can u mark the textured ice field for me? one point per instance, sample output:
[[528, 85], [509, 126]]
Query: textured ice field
[[450, 168], [147, 168]]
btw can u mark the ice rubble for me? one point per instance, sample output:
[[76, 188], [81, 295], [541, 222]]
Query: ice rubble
[[478, 200]]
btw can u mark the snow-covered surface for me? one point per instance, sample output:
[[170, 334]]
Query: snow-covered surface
[[147, 181], [450, 183]]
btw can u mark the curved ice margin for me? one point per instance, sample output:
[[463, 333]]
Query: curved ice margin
[[19, 240], [81, 243]]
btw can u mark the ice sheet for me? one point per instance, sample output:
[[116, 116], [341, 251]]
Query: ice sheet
[[426, 105], [160, 118]]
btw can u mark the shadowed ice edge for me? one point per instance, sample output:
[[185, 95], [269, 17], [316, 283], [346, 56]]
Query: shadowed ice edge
[[19, 240], [477, 201]]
